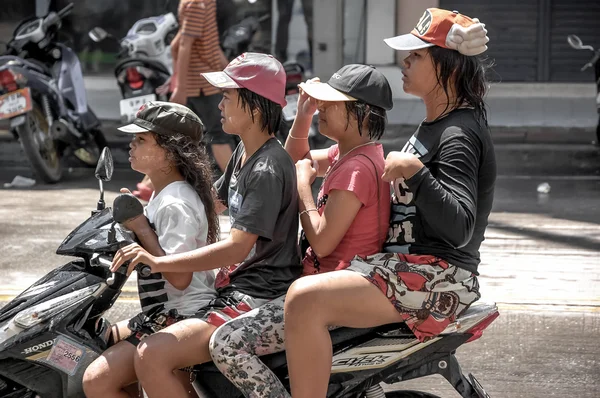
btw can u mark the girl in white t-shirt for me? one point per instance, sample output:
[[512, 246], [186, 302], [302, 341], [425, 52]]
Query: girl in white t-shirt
[[179, 217]]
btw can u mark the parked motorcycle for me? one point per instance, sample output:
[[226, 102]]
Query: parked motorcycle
[[43, 95], [144, 61], [577, 44], [52, 331]]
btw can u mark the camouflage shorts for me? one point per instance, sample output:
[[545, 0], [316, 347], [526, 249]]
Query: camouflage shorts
[[236, 346]]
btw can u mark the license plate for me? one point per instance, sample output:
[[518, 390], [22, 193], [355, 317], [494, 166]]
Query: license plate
[[15, 103], [290, 110], [130, 106]]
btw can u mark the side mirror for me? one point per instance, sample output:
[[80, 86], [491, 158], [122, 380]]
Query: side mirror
[[104, 172], [126, 207], [577, 44], [105, 167], [97, 34]]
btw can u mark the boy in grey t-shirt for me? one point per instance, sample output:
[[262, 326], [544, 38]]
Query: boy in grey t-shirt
[[260, 258]]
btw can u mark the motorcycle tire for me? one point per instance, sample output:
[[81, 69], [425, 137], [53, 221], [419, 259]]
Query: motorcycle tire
[[43, 157], [93, 149], [409, 394]]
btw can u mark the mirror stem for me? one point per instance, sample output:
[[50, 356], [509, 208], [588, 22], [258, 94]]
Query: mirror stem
[[101, 204]]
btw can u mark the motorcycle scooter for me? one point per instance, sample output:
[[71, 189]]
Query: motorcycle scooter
[[577, 44], [52, 331], [42, 93], [144, 61]]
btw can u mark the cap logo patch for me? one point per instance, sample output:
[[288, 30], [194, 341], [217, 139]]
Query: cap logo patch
[[424, 23], [238, 60], [336, 76], [141, 109]]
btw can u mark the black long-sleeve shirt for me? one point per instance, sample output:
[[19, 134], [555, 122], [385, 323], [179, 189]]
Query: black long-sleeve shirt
[[443, 209]]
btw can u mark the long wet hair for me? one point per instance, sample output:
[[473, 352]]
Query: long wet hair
[[469, 74], [375, 117], [192, 162], [270, 112]]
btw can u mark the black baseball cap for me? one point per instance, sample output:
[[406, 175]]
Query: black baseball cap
[[354, 82], [166, 118]]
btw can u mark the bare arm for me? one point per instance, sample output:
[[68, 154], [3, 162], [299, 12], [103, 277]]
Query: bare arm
[[149, 241], [183, 61], [325, 232], [296, 143], [175, 47], [230, 251]]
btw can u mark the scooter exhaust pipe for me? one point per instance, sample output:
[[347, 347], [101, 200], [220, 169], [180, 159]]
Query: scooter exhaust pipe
[[63, 130]]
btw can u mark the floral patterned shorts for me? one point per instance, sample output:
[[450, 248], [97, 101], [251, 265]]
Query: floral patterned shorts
[[428, 292]]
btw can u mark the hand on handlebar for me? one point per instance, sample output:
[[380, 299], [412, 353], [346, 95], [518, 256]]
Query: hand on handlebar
[[136, 255]]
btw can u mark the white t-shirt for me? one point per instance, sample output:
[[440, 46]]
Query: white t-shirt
[[177, 215]]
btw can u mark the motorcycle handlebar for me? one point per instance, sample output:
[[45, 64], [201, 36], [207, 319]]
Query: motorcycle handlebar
[[66, 11], [595, 59], [143, 270], [53, 18], [592, 61]]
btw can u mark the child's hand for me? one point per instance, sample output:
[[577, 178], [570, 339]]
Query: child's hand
[[137, 255], [305, 173], [400, 165], [307, 105]]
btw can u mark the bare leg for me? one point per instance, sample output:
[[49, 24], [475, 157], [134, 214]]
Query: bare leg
[[222, 153], [177, 346], [340, 298], [109, 374]]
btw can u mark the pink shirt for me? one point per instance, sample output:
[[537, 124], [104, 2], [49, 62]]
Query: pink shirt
[[355, 173]]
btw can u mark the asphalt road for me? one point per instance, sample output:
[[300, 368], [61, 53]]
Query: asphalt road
[[540, 262]]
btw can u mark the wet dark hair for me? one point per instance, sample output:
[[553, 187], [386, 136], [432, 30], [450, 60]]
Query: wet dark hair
[[270, 112], [192, 161], [375, 116], [470, 74]]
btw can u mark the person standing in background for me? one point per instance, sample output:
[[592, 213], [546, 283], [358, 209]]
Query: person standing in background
[[196, 50], [285, 10]]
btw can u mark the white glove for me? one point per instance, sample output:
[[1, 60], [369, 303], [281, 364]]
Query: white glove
[[468, 41]]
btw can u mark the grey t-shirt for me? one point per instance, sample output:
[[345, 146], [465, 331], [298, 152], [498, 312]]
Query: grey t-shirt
[[262, 197]]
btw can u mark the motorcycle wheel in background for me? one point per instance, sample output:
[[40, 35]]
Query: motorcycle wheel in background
[[39, 147]]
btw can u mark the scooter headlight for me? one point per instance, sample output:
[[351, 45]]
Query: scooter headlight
[[44, 311]]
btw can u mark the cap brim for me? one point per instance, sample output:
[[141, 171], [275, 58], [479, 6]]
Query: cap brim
[[133, 129], [324, 92], [407, 42], [220, 80]]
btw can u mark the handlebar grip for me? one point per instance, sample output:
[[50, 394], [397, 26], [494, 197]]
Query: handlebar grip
[[143, 270]]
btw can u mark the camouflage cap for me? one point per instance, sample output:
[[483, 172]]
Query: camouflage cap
[[166, 118]]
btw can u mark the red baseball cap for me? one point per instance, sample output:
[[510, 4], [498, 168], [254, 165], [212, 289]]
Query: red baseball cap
[[447, 29], [260, 73]]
